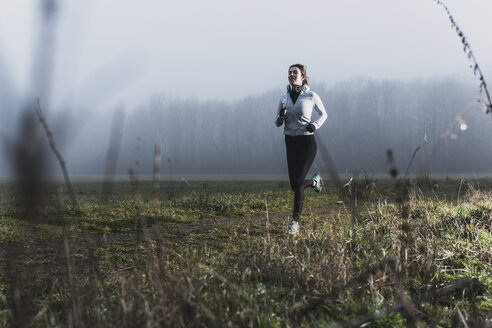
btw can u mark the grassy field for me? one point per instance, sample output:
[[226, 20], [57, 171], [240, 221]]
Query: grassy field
[[392, 253]]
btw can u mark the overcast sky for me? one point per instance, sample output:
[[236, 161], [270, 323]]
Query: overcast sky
[[124, 51]]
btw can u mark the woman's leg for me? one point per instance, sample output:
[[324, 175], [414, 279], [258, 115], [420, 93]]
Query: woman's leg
[[301, 151], [291, 149]]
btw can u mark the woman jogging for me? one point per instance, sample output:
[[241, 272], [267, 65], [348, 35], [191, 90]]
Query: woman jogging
[[294, 111]]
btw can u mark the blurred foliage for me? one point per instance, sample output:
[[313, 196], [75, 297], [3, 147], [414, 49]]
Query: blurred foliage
[[215, 254]]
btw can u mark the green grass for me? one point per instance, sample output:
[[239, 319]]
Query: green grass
[[214, 254]]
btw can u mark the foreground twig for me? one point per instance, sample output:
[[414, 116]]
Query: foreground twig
[[407, 171], [474, 64], [458, 284], [63, 166], [335, 178], [133, 172], [112, 154], [330, 165], [157, 170]]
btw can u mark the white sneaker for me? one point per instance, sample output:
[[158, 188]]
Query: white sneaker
[[293, 228], [319, 182]]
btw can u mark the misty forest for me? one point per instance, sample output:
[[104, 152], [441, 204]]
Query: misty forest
[[173, 213], [365, 118]]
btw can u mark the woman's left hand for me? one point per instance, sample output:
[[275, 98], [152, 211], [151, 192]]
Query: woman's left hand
[[279, 121], [311, 128]]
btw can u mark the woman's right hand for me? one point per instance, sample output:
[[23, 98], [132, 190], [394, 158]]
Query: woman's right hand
[[282, 112]]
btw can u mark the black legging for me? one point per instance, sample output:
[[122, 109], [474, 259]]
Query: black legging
[[301, 151]]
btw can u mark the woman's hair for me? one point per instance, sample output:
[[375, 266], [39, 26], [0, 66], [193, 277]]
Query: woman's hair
[[302, 68]]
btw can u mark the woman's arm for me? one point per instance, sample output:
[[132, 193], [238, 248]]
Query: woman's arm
[[320, 109], [279, 120]]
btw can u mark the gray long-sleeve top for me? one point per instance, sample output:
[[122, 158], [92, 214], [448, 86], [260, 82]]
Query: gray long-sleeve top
[[298, 115]]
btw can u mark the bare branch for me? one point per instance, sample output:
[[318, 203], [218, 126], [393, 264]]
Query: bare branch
[[458, 284], [407, 171], [474, 64], [63, 166], [113, 153], [157, 170]]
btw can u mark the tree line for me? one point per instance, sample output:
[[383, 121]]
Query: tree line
[[366, 118]]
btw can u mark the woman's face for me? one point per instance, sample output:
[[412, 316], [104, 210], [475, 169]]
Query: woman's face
[[295, 76]]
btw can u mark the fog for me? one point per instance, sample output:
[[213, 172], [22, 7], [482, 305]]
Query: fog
[[366, 117], [203, 84]]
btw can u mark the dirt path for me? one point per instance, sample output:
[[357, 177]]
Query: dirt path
[[190, 233]]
